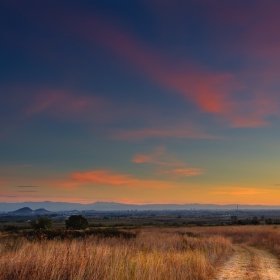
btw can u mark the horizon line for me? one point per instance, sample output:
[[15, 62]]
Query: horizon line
[[187, 203]]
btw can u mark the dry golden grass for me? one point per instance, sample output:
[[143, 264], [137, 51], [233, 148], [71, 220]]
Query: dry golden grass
[[153, 254], [262, 235], [254, 261]]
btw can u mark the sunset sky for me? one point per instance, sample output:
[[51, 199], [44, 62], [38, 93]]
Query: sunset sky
[[148, 101]]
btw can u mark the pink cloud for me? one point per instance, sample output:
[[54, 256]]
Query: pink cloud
[[69, 106], [253, 113], [259, 34], [103, 177], [184, 172], [62, 103], [158, 157], [166, 163], [212, 92], [154, 158], [208, 90], [257, 43], [109, 178], [58, 103], [175, 131]]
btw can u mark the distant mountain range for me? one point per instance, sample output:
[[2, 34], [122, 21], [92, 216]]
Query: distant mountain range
[[113, 206]]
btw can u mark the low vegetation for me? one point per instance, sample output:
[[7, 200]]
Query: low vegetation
[[41, 223], [69, 234], [76, 222]]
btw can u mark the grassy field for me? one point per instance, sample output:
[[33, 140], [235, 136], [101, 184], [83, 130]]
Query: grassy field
[[266, 236], [155, 253]]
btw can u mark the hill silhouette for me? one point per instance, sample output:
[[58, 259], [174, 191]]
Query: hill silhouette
[[23, 211], [28, 211]]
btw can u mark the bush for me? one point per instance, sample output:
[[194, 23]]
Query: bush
[[41, 223], [76, 222], [255, 221]]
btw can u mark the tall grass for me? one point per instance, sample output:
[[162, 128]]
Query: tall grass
[[151, 255], [262, 235]]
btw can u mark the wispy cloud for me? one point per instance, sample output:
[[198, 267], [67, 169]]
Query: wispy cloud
[[67, 105], [175, 131], [253, 43], [88, 109], [212, 91], [104, 177], [27, 191], [108, 177], [158, 157], [183, 172], [209, 90], [27, 186], [166, 163], [239, 191]]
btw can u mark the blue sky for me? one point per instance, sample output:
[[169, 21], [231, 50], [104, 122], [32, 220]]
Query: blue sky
[[139, 101]]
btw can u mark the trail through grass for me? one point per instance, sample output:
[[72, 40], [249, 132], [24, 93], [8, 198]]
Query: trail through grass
[[250, 263]]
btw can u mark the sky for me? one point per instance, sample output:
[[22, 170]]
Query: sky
[[143, 101]]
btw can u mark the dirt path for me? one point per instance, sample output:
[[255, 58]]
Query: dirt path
[[250, 263]]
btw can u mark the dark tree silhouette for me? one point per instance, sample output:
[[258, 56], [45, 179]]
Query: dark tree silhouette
[[42, 223], [76, 222]]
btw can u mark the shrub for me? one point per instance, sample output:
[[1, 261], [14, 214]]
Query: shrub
[[41, 223], [76, 222], [255, 221]]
